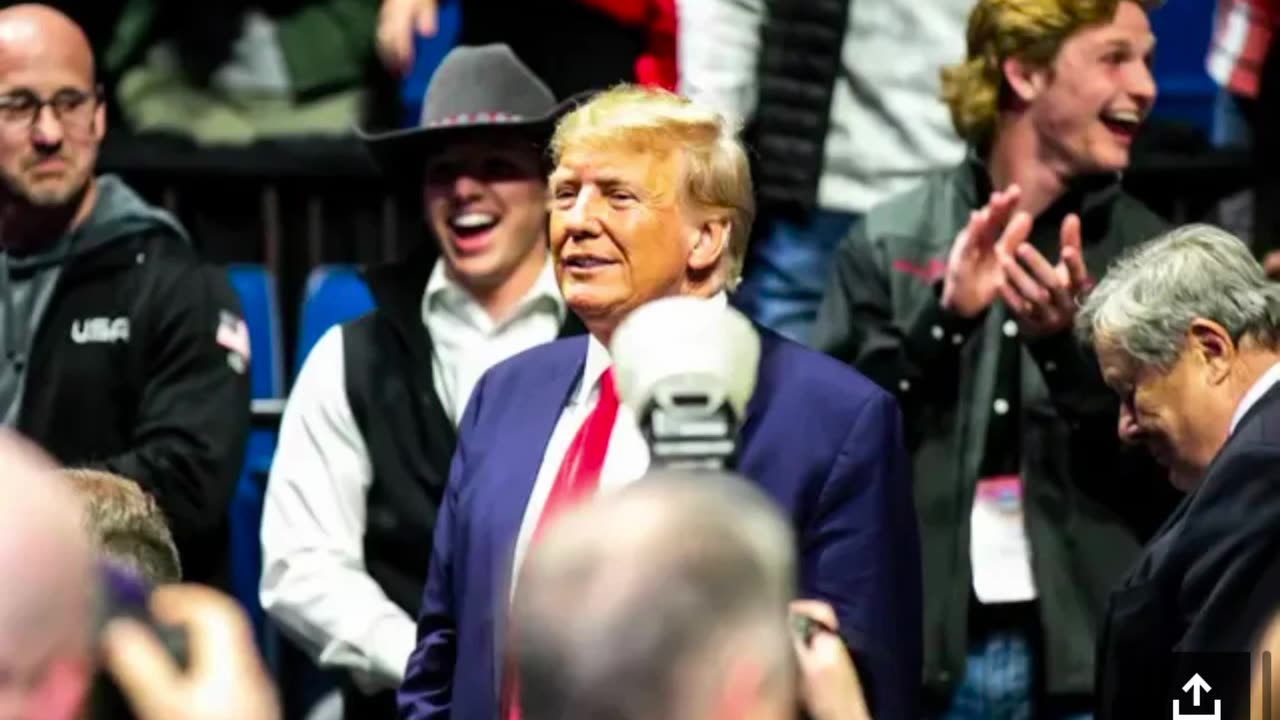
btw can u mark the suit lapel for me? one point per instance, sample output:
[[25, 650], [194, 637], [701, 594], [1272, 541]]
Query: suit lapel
[[544, 394]]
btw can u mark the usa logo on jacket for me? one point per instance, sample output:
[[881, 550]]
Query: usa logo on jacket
[[100, 330]]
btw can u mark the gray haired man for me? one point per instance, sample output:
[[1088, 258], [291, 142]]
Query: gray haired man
[[1187, 332], [682, 614]]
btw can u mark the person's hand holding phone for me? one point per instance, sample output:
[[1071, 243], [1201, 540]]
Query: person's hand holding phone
[[829, 687], [224, 679]]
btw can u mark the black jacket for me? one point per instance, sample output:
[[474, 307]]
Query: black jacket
[[410, 440], [801, 46], [1208, 582], [1088, 502], [136, 365]]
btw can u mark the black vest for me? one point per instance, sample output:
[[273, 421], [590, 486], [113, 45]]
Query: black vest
[[409, 439], [801, 42]]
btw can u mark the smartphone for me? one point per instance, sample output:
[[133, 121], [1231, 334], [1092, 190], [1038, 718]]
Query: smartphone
[[124, 594]]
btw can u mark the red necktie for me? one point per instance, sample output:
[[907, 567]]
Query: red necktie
[[578, 478]]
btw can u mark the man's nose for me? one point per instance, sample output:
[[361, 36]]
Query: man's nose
[[467, 186], [46, 129], [1142, 86], [1127, 427], [581, 218]]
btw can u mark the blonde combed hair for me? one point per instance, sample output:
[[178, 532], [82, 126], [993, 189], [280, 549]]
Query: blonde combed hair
[[716, 173], [1030, 30]]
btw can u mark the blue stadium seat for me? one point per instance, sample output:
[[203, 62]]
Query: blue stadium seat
[[256, 288], [334, 294]]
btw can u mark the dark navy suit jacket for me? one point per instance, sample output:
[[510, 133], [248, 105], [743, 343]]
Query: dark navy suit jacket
[[819, 438]]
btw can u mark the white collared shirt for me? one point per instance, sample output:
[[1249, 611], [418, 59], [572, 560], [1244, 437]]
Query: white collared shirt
[[314, 579], [1255, 393], [466, 341], [625, 461]]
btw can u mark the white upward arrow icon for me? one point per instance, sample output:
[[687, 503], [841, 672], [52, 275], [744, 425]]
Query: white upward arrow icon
[[1196, 684]]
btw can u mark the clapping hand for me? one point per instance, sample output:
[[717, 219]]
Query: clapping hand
[[1043, 297], [974, 274]]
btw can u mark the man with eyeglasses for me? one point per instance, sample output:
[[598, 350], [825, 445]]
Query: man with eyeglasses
[[119, 349]]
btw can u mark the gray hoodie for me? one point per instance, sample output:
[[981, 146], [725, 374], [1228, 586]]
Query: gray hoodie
[[27, 282]]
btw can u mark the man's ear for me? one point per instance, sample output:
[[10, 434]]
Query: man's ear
[[710, 243], [1025, 81], [100, 122], [1213, 346]]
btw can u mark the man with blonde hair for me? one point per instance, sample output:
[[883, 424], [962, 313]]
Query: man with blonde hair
[[958, 297], [651, 198]]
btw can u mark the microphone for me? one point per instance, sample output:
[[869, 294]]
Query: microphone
[[687, 367]]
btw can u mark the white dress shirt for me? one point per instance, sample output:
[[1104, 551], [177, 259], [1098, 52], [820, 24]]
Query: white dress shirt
[[1255, 393], [467, 342], [314, 580], [625, 461]]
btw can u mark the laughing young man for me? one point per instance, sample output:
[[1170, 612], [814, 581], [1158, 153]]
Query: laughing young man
[[959, 297], [369, 431]]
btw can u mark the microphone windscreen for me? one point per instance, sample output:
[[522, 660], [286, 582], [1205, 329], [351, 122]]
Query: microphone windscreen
[[686, 337]]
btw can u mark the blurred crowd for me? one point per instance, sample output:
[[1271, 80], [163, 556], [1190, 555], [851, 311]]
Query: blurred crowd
[[1007, 446]]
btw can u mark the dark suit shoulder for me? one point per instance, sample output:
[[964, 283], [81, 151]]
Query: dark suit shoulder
[[1240, 492], [1259, 429], [816, 381], [536, 360]]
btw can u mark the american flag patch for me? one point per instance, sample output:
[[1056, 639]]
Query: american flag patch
[[233, 334]]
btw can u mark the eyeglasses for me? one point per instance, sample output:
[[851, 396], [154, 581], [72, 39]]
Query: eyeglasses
[[73, 108]]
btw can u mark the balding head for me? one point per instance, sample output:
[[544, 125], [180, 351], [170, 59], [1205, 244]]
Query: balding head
[[654, 601], [47, 153], [47, 572], [39, 33]]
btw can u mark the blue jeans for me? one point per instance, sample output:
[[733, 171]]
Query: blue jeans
[[999, 682], [1232, 120], [788, 271]]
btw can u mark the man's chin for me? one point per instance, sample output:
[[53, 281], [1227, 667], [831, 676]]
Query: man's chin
[[1113, 160], [476, 270], [1183, 476], [592, 305], [50, 195]]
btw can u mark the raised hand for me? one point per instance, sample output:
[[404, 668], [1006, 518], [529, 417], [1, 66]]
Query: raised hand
[[974, 276], [224, 679], [1043, 297], [398, 22], [829, 687]]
